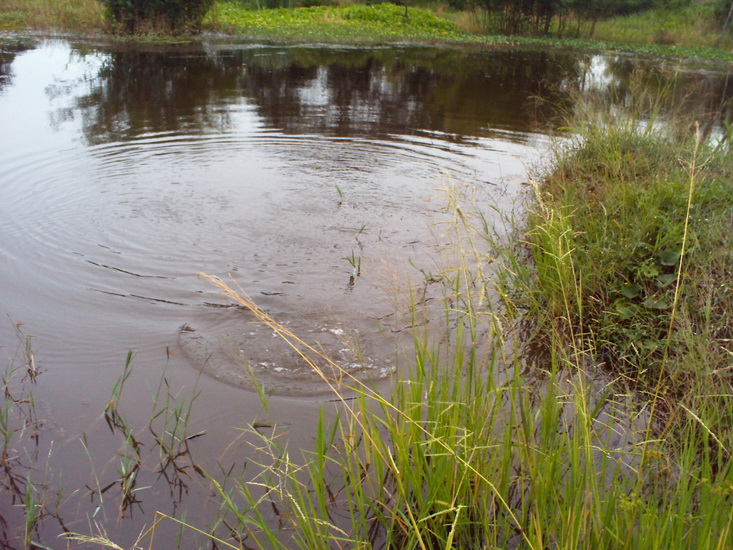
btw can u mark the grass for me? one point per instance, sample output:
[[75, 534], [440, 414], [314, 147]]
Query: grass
[[77, 15], [646, 218], [386, 23]]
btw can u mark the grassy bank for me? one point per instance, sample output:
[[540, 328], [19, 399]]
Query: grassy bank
[[357, 22], [689, 33]]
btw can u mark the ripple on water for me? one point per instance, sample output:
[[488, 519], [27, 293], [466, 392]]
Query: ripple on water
[[124, 226], [253, 354]]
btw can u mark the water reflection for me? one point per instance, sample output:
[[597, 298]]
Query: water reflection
[[698, 95], [454, 92], [137, 92], [366, 93], [375, 92], [9, 49]]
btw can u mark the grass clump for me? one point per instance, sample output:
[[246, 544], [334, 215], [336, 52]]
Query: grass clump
[[643, 266]]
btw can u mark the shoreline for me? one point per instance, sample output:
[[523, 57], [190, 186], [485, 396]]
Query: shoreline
[[269, 30]]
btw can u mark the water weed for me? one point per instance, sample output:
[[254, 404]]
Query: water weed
[[30, 493]]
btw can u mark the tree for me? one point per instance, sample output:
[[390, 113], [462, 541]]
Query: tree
[[516, 16], [595, 10]]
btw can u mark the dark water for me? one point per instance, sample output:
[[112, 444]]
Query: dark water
[[125, 171]]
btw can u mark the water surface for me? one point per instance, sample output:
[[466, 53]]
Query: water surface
[[126, 170]]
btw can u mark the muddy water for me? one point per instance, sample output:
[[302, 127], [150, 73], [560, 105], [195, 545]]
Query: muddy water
[[305, 175]]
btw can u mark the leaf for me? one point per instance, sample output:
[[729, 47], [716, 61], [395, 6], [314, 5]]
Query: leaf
[[649, 271], [666, 279], [644, 247], [652, 303], [669, 257], [631, 291], [626, 311]]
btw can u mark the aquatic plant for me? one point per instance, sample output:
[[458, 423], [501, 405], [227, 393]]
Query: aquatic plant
[[26, 480]]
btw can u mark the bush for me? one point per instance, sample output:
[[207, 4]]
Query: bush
[[176, 16]]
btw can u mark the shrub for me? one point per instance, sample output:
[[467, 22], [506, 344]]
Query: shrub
[[176, 16]]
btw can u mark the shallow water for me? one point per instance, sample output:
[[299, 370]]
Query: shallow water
[[308, 176]]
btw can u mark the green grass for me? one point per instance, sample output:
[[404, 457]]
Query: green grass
[[684, 34], [632, 243], [691, 26], [384, 23]]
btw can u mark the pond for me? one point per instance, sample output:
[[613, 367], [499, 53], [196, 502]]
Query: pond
[[308, 176]]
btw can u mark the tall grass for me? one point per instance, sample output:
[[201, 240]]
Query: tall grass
[[77, 15]]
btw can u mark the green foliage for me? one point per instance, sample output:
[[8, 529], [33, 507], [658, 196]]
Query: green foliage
[[693, 25], [357, 22], [175, 16], [593, 9]]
